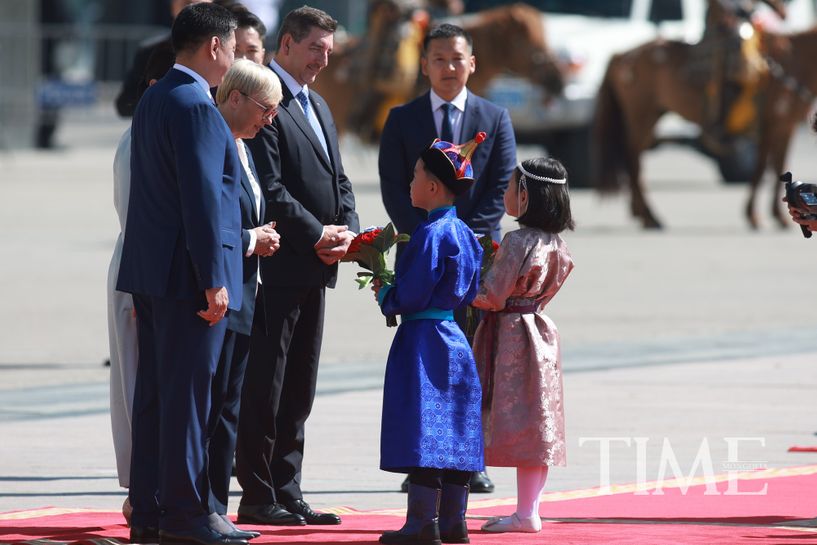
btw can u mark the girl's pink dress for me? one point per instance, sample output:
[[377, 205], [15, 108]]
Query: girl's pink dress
[[517, 351]]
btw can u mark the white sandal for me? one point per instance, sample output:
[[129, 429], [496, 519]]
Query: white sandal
[[513, 524]]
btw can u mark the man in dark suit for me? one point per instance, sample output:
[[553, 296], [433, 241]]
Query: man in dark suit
[[310, 198], [181, 260], [451, 112]]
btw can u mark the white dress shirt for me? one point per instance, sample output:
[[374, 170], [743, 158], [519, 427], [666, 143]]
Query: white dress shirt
[[256, 190]]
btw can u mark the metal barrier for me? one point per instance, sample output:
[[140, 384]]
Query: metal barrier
[[45, 68]]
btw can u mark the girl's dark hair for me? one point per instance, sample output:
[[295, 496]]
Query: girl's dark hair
[[548, 203]]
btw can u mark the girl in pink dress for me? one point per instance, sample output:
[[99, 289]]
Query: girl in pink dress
[[516, 346]]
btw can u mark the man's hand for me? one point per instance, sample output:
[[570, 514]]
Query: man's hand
[[267, 240], [217, 301], [331, 236], [342, 239]]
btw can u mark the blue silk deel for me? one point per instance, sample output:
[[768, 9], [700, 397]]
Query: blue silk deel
[[432, 396]]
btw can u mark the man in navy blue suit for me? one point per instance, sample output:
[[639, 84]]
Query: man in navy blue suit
[[182, 261], [451, 112]]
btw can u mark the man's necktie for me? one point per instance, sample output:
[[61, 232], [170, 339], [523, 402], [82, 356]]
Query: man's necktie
[[313, 120], [447, 133]]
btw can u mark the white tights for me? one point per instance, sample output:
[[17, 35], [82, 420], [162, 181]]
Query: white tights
[[530, 483]]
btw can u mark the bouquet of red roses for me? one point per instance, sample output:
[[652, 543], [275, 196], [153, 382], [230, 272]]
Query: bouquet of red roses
[[489, 248], [369, 250]]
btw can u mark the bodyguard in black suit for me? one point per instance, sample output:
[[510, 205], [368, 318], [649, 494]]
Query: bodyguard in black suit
[[310, 198]]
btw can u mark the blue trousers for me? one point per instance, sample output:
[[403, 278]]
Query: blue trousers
[[178, 358]]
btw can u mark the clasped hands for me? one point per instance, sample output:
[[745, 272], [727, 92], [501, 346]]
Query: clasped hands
[[334, 243], [267, 240]]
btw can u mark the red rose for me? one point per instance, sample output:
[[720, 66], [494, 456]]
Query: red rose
[[355, 245]]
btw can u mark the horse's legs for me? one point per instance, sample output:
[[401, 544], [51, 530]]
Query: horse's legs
[[777, 156], [638, 198], [640, 140], [757, 176]]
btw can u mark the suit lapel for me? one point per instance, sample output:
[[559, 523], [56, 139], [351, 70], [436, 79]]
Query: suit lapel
[[320, 111], [260, 214], [425, 118], [293, 109], [247, 187], [470, 119]]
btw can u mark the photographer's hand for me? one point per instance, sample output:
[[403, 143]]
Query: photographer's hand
[[798, 218]]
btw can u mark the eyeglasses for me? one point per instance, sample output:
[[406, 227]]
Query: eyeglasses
[[269, 111]]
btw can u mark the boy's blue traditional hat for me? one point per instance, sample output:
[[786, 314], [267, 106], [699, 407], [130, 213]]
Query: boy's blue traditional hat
[[451, 163]]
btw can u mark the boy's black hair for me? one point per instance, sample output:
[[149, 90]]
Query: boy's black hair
[[298, 23], [197, 23], [444, 32], [548, 203], [448, 191]]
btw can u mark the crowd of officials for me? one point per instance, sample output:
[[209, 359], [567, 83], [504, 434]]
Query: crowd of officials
[[235, 211]]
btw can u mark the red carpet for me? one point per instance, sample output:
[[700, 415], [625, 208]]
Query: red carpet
[[705, 515], [803, 449]]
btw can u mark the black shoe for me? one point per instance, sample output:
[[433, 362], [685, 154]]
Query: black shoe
[[268, 515], [202, 535], [144, 534], [225, 527], [481, 483], [302, 508], [241, 534]]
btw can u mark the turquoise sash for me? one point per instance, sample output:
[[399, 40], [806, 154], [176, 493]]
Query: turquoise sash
[[430, 314]]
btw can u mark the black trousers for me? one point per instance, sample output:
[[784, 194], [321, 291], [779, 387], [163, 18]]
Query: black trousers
[[279, 389], [432, 477]]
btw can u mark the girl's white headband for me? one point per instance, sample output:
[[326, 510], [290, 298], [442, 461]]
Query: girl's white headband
[[526, 174]]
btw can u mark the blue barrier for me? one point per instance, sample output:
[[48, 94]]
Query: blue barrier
[[58, 93]]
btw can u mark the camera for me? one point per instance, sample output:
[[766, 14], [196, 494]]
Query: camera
[[802, 197]]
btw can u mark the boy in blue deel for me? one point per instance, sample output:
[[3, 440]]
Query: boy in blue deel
[[431, 426]]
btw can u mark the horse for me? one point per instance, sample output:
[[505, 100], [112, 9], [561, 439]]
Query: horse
[[642, 84], [512, 39], [505, 39]]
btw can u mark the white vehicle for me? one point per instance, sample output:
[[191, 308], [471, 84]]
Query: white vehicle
[[585, 34]]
